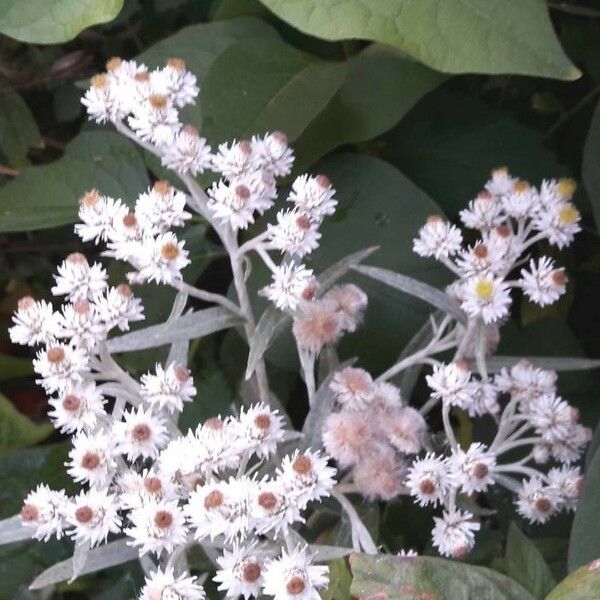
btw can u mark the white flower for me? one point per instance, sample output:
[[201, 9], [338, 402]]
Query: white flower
[[450, 383], [353, 388], [559, 222], [289, 282], [263, 188], [405, 429], [351, 303], [306, 476], [429, 479], [155, 120], [238, 159], [261, 429], [140, 434], [98, 214], [163, 585], [481, 259], [136, 489], [77, 280], [117, 307], [272, 509], [569, 449], [92, 459], [157, 526], [93, 515], [182, 462], [101, 101], [78, 407], [483, 213], [189, 153], [233, 202], [454, 533], [542, 283], [44, 510], [292, 576], [81, 323], [486, 297], [569, 483], [127, 79], [168, 388], [127, 237], [273, 153], [501, 183], [35, 322], [556, 192], [240, 572], [162, 259], [175, 81], [537, 502], [551, 417], [60, 366], [522, 201], [525, 382], [313, 196], [162, 207], [295, 233], [482, 399], [220, 508], [437, 238], [473, 469]]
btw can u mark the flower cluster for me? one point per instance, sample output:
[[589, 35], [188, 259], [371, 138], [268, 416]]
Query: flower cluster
[[381, 440]]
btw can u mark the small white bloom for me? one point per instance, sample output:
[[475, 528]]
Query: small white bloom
[[473, 469], [525, 382], [569, 483], [98, 214], [313, 196], [429, 479], [175, 81], [140, 434], [117, 307], [486, 297], [43, 511], [92, 459], [35, 322], [273, 153], [93, 515], [454, 533], [289, 283], [81, 324], [483, 399], [157, 526], [189, 153], [240, 572], [292, 576], [78, 407], [450, 383], [101, 100], [233, 202], [294, 233], [60, 366], [155, 120], [238, 159], [437, 238], [162, 207], [261, 429], [522, 201], [500, 183], [162, 259], [481, 259], [537, 502], [271, 507], [163, 585], [559, 222], [168, 388], [543, 283], [483, 213], [136, 489], [78, 280]]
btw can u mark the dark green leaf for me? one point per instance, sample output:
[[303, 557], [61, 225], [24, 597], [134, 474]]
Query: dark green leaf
[[380, 87], [18, 129], [17, 430], [583, 584], [53, 21], [525, 564], [12, 367], [264, 85], [454, 36], [591, 164], [429, 577], [340, 579], [47, 196]]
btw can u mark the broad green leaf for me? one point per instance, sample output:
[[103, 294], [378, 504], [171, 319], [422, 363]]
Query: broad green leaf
[[53, 21], [590, 167], [583, 584], [450, 142], [340, 580], [18, 129], [47, 196], [584, 545], [13, 367], [356, 113], [17, 430], [453, 36], [526, 565], [263, 85], [429, 577]]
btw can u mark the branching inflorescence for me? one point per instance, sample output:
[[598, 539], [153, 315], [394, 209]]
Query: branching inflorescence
[[224, 486]]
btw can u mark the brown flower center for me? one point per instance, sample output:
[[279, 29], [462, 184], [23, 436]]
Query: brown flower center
[[25, 303], [157, 101], [323, 181], [480, 470], [90, 198], [302, 465], [481, 251], [169, 251], [113, 63], [176, 63], [427, 487], [76, 258], [84, 514], [251, 572], [262, 421], [90, 461], [141, 432], [124, 290], [267, 500], [213, 499], [71, 402], [303, 222], [29, 513], [162, 187], [163, 519], [153, 485], [295, 585], [55, 355], [130, 220]]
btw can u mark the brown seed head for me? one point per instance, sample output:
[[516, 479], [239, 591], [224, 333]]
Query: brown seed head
[[521, 186], [100, 81], [157, 101], [162, 187]]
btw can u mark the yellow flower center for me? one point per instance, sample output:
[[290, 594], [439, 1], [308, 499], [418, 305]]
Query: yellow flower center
[[484, 289], [568, 214], [566, 188]]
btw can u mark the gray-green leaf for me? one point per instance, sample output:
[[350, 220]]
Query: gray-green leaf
[[453, 36]]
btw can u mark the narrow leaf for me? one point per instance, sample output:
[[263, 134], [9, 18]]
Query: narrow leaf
[[12, 530], [416, 288], [110, 555], [330, 275], [195, 325], [568, 363], [325, 553]]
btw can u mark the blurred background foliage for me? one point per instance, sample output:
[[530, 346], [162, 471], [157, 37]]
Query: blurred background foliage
[[405, 105]]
